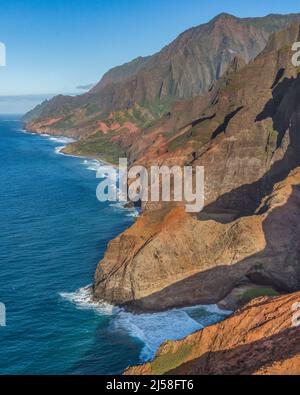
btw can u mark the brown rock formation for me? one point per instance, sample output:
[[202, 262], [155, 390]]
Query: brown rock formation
[[258, 339], [248, 141], [181, 70], [245, 132], [170, 258]]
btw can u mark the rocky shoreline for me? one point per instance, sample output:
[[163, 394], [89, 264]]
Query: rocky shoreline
[[258, 339], [160, 262], [244, 130]]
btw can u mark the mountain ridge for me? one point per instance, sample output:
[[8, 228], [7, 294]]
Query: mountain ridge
[[246, 138], [244, 129], [183, 69]]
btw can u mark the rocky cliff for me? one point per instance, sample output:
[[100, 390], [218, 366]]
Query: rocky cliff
[[224, 96], [258, 339], [183, 69], [170, 258], [247, 138]]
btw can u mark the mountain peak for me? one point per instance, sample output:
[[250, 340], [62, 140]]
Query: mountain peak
[[184, 69], [223, 16]]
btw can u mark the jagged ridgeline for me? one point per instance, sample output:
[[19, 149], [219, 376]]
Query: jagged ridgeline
[[143, 90], [223, 95], [245, 132]]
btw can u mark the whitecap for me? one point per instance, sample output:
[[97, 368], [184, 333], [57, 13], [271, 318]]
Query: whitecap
[[59, 149], [103, 170], [25, 131], [63, 140], [152, 329], [134, 213], [83, 299], [156, 328], [119, 206]]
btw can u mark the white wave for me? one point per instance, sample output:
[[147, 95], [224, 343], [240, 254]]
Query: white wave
[[134, 213], [82, 298], [103, 170], [118, 205], [151, 329], [59, 149], [214, 309], [154, 329], [62, 140], [110, 173], [92, 165], [26, 132]]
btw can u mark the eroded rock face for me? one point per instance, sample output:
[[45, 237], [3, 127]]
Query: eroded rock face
[[258, 339], [249, 143], [170, 258]]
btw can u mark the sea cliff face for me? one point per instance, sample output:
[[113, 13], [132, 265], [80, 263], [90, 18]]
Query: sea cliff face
[[169, 259], [244, 131], [258, 339], [250, 150], [240, 119]]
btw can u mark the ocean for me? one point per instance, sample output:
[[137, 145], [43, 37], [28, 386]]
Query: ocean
[[53, 232]]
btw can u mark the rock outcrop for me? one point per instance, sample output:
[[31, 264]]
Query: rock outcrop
[[170, 258], [239, 117], [247, 138], [261, 338]]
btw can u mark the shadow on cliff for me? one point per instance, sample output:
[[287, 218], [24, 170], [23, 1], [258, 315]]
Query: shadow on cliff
[[246, 359], [278, 265], [284, 110]]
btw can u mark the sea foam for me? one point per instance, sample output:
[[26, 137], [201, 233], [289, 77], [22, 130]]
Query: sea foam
[[62, 140], [104, 171], [82, 298], [151, 329]]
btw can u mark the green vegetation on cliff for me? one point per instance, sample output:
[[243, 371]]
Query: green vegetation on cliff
[[166, 362], [98, 146]]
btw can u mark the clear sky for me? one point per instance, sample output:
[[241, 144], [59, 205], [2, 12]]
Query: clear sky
[[55, 45]]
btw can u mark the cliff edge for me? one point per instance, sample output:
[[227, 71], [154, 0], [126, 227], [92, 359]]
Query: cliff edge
[[260, 338]]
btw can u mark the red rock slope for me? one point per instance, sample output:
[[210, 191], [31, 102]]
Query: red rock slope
[[259, 339]]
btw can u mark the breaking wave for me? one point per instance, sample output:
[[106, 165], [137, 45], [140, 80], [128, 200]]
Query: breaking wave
[[62, 140], [152, 329]]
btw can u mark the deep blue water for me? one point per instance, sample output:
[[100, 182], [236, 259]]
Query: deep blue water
[[53, 232]]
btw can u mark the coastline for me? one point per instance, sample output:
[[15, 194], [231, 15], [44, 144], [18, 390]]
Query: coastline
[[132, 309], [85, 156]]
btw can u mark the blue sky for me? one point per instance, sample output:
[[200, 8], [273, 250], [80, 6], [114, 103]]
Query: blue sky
[[54, 46]]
